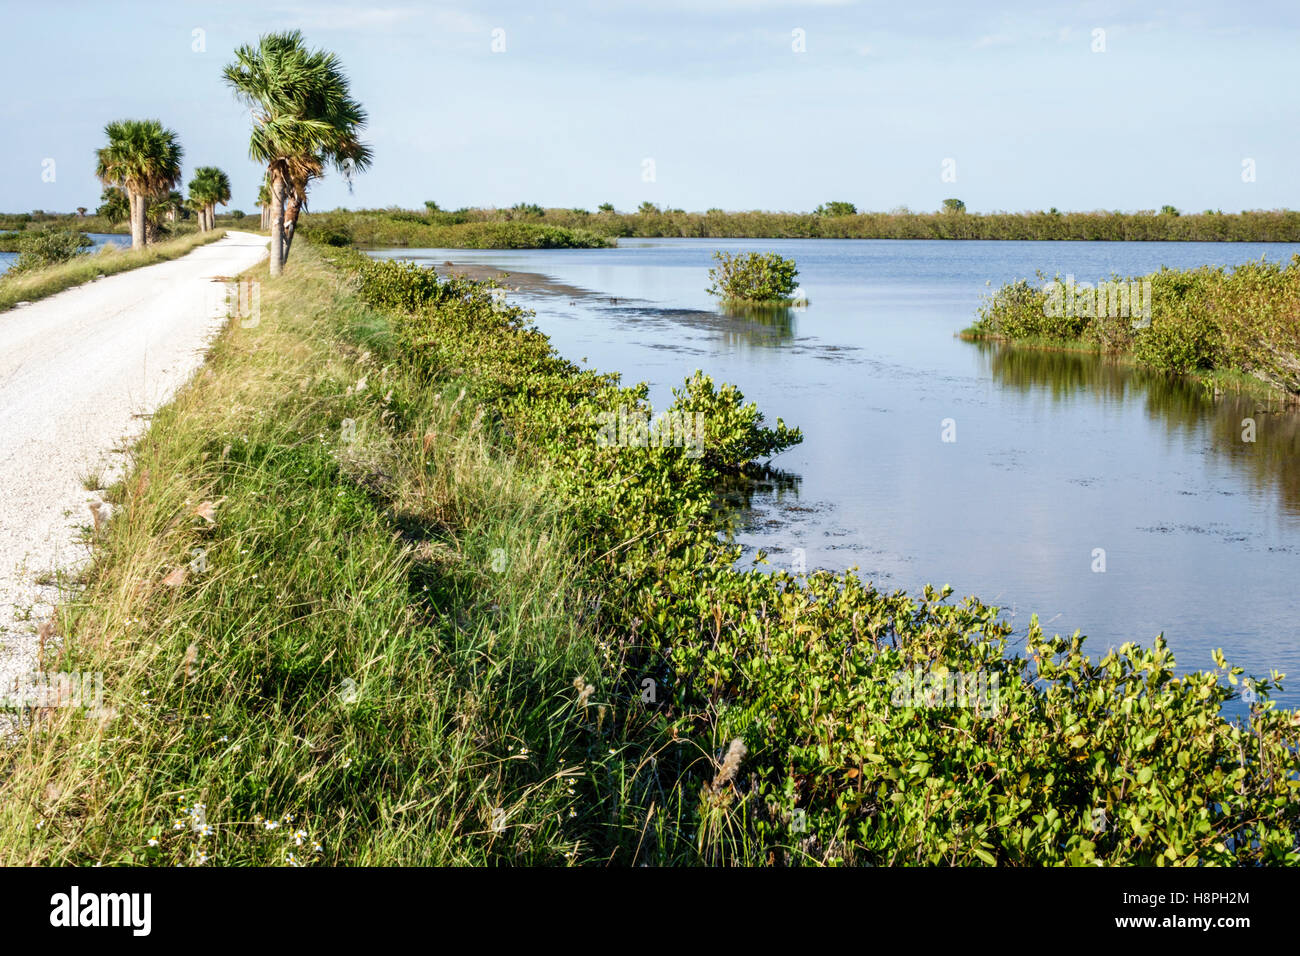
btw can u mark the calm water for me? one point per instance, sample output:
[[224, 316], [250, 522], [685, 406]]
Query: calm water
[[1056, 455], [101, 239]]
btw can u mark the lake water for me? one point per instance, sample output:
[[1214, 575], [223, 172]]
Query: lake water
[[101, 239], [1056, 455]]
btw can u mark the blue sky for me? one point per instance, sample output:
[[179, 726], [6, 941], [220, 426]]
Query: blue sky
[[713, 91]]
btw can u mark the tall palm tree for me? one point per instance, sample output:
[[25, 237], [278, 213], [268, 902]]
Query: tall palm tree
[[304, 120], [143, 158], [208, 187]]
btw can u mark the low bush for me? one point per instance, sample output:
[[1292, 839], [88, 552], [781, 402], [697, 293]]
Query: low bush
[[46, 246], [1244, 321], [753, 277]]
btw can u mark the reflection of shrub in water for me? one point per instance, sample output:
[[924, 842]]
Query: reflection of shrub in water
[[1178, 404]]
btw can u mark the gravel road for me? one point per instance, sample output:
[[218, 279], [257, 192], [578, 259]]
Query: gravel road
[[79, 374]]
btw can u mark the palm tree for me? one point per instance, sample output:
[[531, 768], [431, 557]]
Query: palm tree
[[304, 120], [264, 202], [201, 189], [113, 205], [208, 188], [144, 159], [160, 212]]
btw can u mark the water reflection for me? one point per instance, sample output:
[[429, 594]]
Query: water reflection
[[760, 325], [733, 507], [1179, 405]]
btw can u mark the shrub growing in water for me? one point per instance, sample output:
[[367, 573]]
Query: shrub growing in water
[[756, 277]]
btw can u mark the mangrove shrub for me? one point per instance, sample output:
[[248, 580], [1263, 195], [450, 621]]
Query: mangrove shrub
[[754, 277]]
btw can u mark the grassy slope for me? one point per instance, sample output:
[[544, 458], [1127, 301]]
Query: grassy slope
[[328, 561], [40, 283]]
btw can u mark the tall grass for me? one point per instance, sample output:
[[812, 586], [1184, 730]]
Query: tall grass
[[109, 260]]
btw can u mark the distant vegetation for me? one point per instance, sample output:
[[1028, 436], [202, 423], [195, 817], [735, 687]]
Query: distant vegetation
[[1219, 322], [833, 220], [513, 229]]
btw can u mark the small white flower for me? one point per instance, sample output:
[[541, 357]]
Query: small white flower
[[153, 841]]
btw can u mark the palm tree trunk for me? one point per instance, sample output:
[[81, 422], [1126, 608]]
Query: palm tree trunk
[[137, 219], [292, 206], [277, 226]]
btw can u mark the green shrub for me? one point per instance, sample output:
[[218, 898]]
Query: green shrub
[[1243, 320], [754, 277], [1020, 310], [46, 246]]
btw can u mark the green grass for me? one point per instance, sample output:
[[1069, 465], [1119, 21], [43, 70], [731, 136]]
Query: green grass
[[109, 260]]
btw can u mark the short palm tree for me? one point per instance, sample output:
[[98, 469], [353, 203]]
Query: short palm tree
[[304, 120], [144, 159], [208, 187], [161, 211], [113, 205], [264, 202]]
